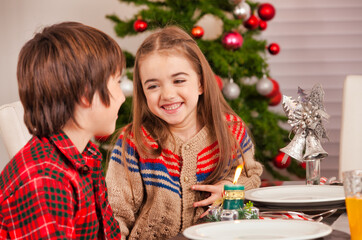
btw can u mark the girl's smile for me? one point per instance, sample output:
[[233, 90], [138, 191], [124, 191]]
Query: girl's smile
[[171, 108]]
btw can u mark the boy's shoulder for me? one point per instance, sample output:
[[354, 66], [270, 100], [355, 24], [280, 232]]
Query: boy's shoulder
[[37, 159]]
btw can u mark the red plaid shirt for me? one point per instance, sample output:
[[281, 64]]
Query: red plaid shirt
[[51, 191]]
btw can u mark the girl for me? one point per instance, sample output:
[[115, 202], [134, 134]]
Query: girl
[[184, 141]]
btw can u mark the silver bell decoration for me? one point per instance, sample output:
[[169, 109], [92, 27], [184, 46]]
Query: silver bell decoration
[[264, 86], [242, 11], [126, 86], [313, 148], [231, 90], [295, 148], [306, 116]]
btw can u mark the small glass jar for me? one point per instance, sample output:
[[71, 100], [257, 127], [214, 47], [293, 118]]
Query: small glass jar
[[229, 215]]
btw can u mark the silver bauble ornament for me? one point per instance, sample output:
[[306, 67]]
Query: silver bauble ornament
[[242, 11], [231, 90], [126, 86], [264, 86]]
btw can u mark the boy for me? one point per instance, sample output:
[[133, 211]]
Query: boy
[[54, 188]]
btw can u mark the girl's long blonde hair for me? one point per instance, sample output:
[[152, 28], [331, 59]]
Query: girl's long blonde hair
[[211, 108]]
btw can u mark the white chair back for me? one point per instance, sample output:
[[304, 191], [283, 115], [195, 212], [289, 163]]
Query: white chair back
[[12, 127], [350, 157]]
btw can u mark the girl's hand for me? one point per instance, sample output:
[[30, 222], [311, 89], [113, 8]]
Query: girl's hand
[[215, 194]]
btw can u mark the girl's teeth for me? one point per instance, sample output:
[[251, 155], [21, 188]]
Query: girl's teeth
[[171, 107]]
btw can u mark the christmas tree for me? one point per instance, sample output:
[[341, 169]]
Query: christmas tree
[[238, 58]]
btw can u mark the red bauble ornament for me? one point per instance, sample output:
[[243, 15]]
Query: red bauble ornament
[[219, 82], [197, 32], [273, 49], [140, 25], [232, 40], [275, 100], [252, 23], [275, 89], [303, 164], [262, 24], [266, 11], [279, 159]]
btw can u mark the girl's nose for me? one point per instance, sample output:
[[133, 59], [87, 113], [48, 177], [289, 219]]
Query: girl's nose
[[168, 92]]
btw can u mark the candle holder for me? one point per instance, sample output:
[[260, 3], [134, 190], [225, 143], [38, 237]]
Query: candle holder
[[231, 206], [233, 201]]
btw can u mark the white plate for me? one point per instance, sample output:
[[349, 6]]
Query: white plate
[[302, 195], [258, 229]]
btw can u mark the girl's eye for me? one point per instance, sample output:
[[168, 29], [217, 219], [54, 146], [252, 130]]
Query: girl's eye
[[179, 81], [151, 87]]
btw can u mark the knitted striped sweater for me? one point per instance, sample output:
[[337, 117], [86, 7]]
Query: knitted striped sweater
[[161, 203]]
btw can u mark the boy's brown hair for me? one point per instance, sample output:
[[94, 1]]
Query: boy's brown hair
[[60, 65]]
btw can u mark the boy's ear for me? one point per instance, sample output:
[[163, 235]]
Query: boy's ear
[[84, 102]]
